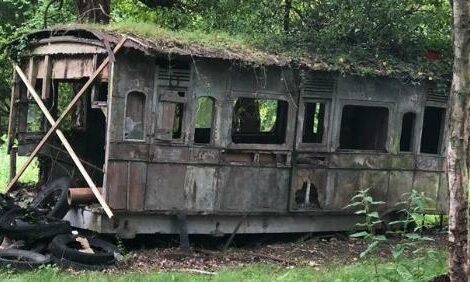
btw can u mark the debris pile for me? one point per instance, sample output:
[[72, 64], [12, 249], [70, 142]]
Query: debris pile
[[34, 234]]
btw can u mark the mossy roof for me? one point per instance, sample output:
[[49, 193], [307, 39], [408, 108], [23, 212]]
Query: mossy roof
[[153, 40]]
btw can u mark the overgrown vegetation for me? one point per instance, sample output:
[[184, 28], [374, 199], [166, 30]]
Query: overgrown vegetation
[[30, 176], [408, 229], [362, 271], [408, 39]]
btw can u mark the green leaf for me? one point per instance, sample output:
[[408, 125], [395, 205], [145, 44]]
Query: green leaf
[[397, 252], [380, 238], [369, 249], [353, 205], [359, 234], [360, 212], [373, 214], [412, 236]]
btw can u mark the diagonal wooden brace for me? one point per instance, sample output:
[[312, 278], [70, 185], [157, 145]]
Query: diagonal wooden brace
[[55, 125], [64, 141]]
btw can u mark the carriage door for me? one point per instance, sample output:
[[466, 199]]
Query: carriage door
[[310, 161]]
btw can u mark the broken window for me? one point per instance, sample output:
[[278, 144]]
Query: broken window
[[171, 115], [135, 116], [433, 126], [363, 128], [204, 120], [99, 94], [77, 117], [407, 132], [34, 118], [261, 121], [307, 196], [314, 123]]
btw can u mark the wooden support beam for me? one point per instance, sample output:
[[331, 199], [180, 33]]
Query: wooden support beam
[[46, 82], [183, 229], [31, 75], [13, 154], [59, 120], [12, 120], [66, 143]]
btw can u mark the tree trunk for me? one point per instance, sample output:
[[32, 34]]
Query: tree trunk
[[457, 151], [93, 11], [287, 8]]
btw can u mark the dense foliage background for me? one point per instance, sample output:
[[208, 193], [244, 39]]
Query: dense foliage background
[[368, 37]]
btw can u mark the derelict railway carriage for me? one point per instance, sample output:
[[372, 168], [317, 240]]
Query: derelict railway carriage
[[169, 130]]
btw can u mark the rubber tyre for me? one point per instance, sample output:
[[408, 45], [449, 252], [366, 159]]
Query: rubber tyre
[[62, 247], [65, 263], [53, 198], [41, 228], [22, 259]]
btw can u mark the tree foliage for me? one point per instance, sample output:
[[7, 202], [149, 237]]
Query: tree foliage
[[352, 35]]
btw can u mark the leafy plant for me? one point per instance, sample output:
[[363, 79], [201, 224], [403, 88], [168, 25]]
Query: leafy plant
[[366, 206], [411, 235]]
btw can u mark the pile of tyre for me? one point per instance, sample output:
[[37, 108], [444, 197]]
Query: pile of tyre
[[41, 237]]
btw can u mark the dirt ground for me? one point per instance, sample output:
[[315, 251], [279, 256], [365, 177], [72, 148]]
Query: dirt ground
[[207, 254]]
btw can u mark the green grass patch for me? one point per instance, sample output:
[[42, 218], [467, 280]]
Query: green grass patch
[[30, 175], [417, 269]]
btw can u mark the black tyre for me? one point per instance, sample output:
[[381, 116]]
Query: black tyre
[[22, 259], [66, 247], [52, 199], [31, 225], [65, 263]]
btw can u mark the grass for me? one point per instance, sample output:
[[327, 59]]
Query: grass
[[420, 270], [30, 175]]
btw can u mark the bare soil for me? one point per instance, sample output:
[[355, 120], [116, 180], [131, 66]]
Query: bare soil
[[155, 254]]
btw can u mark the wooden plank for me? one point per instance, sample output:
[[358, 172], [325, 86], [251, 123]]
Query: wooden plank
[[136, 186], [31, 75], [46, 81], [62, 116], [95, 87], [13, 152], [168, 118], [12, 120], [116, 185], [66, 144]]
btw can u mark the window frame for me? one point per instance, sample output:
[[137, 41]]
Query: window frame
[[301, 124], [414, 133], [443, 133], [164, 95], [213, 121], [145, 127], [290, 116], [347, 102]]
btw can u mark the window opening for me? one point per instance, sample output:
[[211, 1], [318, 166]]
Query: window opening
[[171, 119], [407, 132], [364, 128], [135, 116], [433, 124], [178, 121], [204, 119], [259, 121], [34, 118], [314, 123]]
